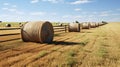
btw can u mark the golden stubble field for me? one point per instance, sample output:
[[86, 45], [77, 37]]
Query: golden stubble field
[[96, 47]]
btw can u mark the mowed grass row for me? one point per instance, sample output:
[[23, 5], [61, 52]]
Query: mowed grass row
[[97, 47], [106, 50]]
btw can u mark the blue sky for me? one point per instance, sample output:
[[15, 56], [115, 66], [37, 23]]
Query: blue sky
[[60, 10]]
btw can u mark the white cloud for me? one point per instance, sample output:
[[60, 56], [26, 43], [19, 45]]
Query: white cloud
[[105, 13], [77, 17], [37, 13], [108, 11], [95, 12], [6, 4], [14, 6], [71, 16], [20, 12], [53, 14], [4, 8], [34, 1], [77, 9], [115, 14], [80, 2], [13, 10], [53, 1], [4, 15], [9, 9], [66, 16]]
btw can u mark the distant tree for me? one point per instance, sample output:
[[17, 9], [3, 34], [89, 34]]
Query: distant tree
[[0, 21], [76, 22]]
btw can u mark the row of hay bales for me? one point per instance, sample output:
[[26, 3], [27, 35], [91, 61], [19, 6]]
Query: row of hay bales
[[43, 32], [77, 27]]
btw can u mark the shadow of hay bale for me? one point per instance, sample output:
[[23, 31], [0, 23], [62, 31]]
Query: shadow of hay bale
[[67, 43], [86, 32]]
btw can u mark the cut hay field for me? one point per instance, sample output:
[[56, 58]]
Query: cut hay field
[[96, 47]]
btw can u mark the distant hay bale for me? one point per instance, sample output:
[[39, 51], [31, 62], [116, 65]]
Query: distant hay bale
[[92, 24], [85, 25], [97, 24], [20, 24], [60, 24], [74, 27], [100, 24], [41, 32], [104, 22], [76, 22], [8, 25]]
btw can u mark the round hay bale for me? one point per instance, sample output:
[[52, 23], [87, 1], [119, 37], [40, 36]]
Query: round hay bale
[[100, 24], [85, 25], [41, 32], [92, 25], [8, 25], [60, 24], [20, 24], [74, 27], [97, 24]]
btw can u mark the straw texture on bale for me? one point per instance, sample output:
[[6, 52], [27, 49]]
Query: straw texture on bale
[[85, 25], [74, 27], [41, 32], [8, 25]]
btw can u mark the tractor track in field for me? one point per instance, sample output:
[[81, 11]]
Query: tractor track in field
[[45, 57], [33, 60], [61, 47], [61, 50], [26, 51]]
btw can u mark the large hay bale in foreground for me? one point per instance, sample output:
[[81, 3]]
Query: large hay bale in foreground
[[85, 25], [41, 32], [8, 25], [74, 27]]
